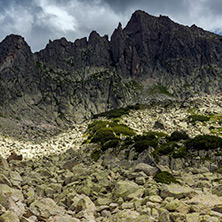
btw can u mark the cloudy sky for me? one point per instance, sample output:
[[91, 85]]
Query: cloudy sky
[[41, 20]]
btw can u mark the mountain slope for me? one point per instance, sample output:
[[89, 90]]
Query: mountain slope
[[151, 58]]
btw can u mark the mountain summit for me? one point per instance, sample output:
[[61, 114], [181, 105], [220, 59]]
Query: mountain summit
[[151, 58]]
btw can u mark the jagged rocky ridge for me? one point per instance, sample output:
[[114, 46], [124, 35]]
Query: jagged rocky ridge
[[152, 57]]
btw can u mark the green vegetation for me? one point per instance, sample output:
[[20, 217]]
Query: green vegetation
[[178, 135], [165, 177], [166, 148], [107, 133], [142, 145], [103, 135], [204, 142], [181, 152], [96, 125], [142, 142], [110, 144], [116, 113], [201, 118], [134, 85], [95, 155]]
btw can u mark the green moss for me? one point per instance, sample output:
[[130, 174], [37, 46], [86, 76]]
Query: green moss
[[165, 177], [96, 125], [103, 135], [134, 85], [167, 148], [110, 144], [116, 113], [178, 135], [159, 89], [201, 118], [180, 153], [142, 145], [122, 129], [95, 155], [204, 142]]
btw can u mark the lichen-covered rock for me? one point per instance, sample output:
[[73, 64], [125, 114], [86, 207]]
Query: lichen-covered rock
[[64, 218], [217, 190], [129, 216], [147, 169], [164, 215], [192, 217], [177, 191], [125, 188], [5, 180], [15, 194], [9, 216], [46, 207]]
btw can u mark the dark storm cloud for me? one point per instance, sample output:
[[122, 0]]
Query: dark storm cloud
[[41, 20]]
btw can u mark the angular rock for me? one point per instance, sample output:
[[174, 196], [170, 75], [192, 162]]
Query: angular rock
[[3, 163], [193, 217], [125, 188], [147, 169], [9, 216], [176, 191], [46, 208]]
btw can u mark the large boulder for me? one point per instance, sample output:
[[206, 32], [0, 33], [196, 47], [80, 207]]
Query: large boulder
[[176, 191], [126, 189], [147, 169], [9, 216], [46, 208]]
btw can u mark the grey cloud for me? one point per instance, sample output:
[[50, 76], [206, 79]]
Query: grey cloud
[[41, 20]]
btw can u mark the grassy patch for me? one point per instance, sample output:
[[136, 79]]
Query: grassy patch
[[159, 89], [103, 135], [178, 135], [165, 177], [180, 153], [110, 144], [116, 113], [194, 118], [95, 155], [142, 145], [204, 142], [144, 141]]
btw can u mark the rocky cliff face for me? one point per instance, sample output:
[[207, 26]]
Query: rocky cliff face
[[152, 57]]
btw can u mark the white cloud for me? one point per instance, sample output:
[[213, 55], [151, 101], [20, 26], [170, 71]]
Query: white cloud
[[17, 20], [40, 20], [55, 16]]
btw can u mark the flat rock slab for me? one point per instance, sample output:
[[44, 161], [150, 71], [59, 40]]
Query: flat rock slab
[[147, 169], [176, 191], [209, 200], [46, 207]]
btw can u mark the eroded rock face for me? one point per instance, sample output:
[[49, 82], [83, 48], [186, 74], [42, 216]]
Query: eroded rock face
[[151, 58]]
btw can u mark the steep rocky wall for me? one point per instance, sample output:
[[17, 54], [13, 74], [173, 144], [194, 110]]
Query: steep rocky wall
[[151, 58]]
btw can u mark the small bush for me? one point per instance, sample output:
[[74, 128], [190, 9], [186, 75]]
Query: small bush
[[166, 148], [95, 155], [103, 135], [165, 177], [178, 135], [180, 153], [122, 129], [93, 127], [146, 136], [110, 144], [142, 145], [204, 142], [115, 113], [194, 118]]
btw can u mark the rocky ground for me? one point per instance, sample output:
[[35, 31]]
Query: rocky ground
[[58, 179]]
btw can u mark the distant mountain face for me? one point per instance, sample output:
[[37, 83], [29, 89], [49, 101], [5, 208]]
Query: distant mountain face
[[151, 58]]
